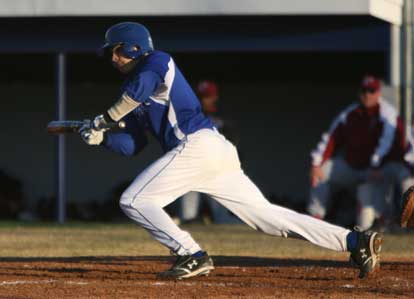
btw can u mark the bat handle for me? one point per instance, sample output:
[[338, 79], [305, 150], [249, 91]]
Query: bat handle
[[113, 125]]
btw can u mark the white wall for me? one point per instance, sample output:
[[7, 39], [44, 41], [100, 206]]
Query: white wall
[[389, 10]]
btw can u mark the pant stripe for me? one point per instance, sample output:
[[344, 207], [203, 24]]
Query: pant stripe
[[146, 219], [150, 180]]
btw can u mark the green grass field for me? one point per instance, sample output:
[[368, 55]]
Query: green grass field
[[95, 239]]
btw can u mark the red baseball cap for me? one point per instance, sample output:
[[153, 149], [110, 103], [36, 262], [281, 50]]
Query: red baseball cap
[[207, 88], [371, 83]]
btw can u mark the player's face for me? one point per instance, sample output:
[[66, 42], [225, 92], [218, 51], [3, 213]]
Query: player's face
[[370, 98], [121, 62], [209, 103]]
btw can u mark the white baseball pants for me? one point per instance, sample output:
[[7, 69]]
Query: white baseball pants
[[206, 162]]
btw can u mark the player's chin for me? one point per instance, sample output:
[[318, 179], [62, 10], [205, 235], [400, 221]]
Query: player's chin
[[123, 69], [118, 67]]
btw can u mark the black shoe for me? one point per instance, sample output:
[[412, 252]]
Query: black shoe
[[187, 266], [366, 254]]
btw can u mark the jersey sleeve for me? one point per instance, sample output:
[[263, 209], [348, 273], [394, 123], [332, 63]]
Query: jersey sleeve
[[142, 86], [135, 91], [389, 118], [148, 77], [130, 141], [333, 139], [330, 141]]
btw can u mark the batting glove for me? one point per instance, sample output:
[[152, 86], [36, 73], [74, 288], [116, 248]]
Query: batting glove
[[91, 136], [99, 123]]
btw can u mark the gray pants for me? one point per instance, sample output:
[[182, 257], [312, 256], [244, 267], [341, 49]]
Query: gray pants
[[374, 197]]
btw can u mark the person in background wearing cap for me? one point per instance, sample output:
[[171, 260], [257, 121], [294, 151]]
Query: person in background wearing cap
[[208, 93], [370, 135]]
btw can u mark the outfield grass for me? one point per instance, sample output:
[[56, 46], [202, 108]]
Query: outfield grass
[[94, 239]]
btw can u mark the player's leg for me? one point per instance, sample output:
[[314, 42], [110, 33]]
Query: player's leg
[[337, 174], [171, 176], [153, 189], [375, 198], [371, 198], [240, 195], [161, 183], [189, 206], [236, 192], [220, 214]]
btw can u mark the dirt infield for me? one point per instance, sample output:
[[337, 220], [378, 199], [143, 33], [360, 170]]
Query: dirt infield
[[234, 277]]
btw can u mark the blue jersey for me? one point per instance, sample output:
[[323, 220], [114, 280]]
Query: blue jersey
[[168, 108]]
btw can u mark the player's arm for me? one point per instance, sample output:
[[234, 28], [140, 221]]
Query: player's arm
[[392, 125], [134, 93], [329, 143], [137, 90], [130, 141]]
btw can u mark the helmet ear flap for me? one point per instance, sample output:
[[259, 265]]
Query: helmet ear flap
[[131, 51]]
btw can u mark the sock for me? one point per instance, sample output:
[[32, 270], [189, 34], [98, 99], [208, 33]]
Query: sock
[[351, 241], [199, 253]]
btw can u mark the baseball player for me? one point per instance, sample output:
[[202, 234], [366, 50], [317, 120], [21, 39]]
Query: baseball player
[[156, 97], [371, 136]]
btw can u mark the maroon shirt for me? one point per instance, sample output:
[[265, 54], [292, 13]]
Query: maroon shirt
[[368, 137]]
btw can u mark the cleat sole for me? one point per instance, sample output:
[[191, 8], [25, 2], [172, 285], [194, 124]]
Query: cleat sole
[[205, 271], [200, 272]]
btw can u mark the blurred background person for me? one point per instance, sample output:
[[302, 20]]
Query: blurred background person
[[192, 203], [364, 151]]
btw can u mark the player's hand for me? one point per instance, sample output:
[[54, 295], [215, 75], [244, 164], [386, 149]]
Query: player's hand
[[91, 136], [316, 175], [99, 122]]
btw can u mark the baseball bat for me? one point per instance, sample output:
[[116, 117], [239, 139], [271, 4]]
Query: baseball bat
[[73, 126]]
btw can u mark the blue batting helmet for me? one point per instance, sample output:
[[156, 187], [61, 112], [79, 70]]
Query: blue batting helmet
[[129, 35]]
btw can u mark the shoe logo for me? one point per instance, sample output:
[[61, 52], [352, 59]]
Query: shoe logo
[[363, 253], [192, 264]]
